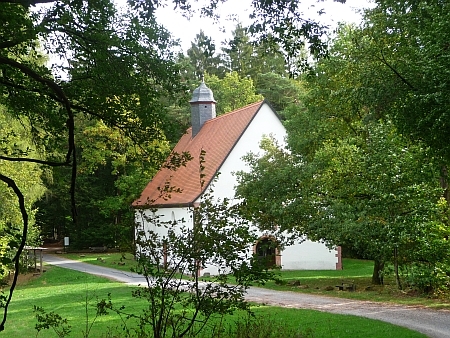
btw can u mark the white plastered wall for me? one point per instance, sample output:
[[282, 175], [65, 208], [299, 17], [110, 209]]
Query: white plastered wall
[[306, 255], [165, 215], [265, 123], [181, 216], [145, 220]]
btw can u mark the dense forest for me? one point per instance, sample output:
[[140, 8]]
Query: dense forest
[[112, 169], [366, 108]]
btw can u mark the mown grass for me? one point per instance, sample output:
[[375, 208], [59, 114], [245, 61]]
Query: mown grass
[[358, 272], [69, 293], [116, 260], [321, 282]]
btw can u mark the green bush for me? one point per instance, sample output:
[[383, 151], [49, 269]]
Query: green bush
[[428, 278]]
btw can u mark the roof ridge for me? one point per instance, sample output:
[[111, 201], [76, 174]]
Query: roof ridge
[[228, 129], [236, 110], [231, 113]]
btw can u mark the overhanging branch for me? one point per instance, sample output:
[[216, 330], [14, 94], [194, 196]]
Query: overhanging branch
[[9, 44], [11, 184], [27, 3], [33, 160], [64, 100]]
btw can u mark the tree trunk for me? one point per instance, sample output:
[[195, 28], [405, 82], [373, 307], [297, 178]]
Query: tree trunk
[[397, 277], [377, 276], [444, 183]]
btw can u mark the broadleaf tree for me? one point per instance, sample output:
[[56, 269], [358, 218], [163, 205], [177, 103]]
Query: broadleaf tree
[[115, 66], [108, 64], [232, 92], [351, 178], [409, 40]]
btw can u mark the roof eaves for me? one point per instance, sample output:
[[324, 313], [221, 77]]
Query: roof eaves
[[162, 206]]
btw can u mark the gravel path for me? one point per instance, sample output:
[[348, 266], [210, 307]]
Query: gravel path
[[433, 323]]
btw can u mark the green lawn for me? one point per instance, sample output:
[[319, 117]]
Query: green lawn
[[116, 260], [311, 281], [360, 273], [67, 292]]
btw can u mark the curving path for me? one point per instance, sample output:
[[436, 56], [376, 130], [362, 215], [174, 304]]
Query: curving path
[[433, 323]]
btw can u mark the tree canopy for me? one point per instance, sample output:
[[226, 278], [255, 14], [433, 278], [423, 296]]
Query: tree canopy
[[350, 176], [109, 66], [114, 66], [406, 45], [232, 92]]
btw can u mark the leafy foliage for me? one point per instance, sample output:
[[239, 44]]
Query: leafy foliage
[[171, 256], [279, 91], [202, 55], [51, 320], [232, 92], [249, 57], [111, 173], [351, 179], [114, 66], [404, 45]]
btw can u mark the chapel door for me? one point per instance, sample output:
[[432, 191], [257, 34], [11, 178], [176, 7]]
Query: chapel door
[[266, 251]]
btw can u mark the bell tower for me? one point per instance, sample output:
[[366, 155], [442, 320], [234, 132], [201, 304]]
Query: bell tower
[[203, 107]]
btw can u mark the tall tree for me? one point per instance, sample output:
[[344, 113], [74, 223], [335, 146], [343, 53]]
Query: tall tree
[[279, 90], [409, 40], [203, 56], [232, 92], [239, 52], [21, 189], [249, 57], [112, 171], [270, 59], [116, 65], [15, 139], [350, 178]]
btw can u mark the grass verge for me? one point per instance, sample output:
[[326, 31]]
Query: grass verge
[[73, 295], [358, 272], [116, 260], [322, 282]]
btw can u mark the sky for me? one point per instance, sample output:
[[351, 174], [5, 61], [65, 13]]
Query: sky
[[186, 30]]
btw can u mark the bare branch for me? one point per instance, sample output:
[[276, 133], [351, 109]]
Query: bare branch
[[9, 44], [21, 87], [384, 61], [59, 92], [33, 160], [35, 76], [10, 182], [75, 107]]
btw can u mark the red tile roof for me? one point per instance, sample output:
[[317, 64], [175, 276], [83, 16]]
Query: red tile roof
[[216, 138]]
